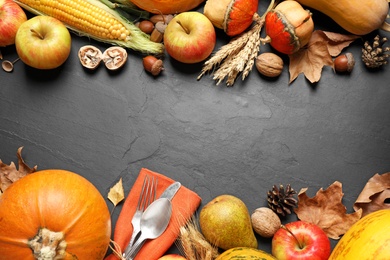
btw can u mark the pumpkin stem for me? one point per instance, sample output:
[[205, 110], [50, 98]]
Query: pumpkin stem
[[48, 245]]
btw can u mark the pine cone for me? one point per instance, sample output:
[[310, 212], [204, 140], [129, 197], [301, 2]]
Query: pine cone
[[375, 56], [281, 200]]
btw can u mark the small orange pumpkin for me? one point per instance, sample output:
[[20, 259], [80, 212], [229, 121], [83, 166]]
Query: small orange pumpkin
[[233, 16], [56, 211], [289, 27], [167, 6]]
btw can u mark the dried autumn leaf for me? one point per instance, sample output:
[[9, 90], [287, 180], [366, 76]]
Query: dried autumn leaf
[[116, 193], [9, 173], [336, 42], [318, 53], [326, 210], [310, 61], [375, 194]]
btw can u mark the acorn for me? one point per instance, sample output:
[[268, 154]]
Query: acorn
[[344, 63]]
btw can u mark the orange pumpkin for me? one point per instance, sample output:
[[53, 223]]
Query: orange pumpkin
[[167, 6], [53, 211]]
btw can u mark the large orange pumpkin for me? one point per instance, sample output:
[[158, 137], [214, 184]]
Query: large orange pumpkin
[[53, 211], [167, 6]]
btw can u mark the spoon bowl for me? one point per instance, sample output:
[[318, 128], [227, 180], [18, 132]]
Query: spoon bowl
[[154, 221]]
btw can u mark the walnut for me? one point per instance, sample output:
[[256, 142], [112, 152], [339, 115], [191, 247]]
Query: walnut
[[269, 64], [265, 222]]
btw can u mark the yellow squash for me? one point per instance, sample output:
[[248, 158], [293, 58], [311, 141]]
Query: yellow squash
[[367, 239], [243, 253], [356, 16]]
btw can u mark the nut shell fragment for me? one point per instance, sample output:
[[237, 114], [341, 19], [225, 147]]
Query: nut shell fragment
[[90, 56], [114, 57]]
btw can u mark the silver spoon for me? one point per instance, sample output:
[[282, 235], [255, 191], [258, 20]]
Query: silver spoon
[[8, 66], [154, 221]]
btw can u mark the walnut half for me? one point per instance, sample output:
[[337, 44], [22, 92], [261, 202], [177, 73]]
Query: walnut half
[[90, 56], [114, 57]]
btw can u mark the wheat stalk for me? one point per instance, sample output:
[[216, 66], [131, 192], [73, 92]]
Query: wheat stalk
[[193, 243], [237, 56]]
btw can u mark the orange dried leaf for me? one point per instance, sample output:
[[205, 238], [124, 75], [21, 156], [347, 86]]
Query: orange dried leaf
[[9, 173], [375, 194], [116, 193], [326, 210]]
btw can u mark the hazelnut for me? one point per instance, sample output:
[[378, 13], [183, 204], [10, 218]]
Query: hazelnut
[[265, 222], [344, 63], [153, 65], [146, 26], [165, 18], [269, 64]]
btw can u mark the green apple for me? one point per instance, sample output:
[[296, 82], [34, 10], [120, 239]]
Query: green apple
[[43, 42], [189, 37], [11, 17]]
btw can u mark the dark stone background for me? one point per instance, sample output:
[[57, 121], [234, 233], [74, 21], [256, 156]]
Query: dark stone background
[[215, 140]]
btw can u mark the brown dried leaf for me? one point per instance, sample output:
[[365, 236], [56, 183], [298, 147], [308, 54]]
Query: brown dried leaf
[[309, 61], [374, 195], [326, 210], [318, 53], [9, 174], [336, 42], [116, 193]]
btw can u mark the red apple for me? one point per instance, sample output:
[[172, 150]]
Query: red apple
[[301, 240], [11, 17], [43, 42], [189, 37], [172, 257]]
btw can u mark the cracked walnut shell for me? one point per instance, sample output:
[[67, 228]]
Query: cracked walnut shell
[[90, 56], [114, 57]]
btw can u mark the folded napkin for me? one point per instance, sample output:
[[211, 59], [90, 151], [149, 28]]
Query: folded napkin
[[184, 205]]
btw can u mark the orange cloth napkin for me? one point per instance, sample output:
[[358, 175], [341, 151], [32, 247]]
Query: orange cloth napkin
[[184, 205]]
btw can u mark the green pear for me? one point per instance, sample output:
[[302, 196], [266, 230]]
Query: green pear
[[226, 223]]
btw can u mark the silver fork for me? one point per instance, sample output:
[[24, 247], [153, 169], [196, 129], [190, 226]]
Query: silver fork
[[147, 196]]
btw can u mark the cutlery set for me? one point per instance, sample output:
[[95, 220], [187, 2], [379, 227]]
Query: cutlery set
[[152, 215]]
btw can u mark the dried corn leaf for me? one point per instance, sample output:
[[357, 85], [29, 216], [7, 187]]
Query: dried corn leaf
[[375, 194], [326, 210], [116, 193], [9, 173]]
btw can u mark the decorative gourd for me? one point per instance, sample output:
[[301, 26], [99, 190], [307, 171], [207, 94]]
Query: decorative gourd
[[244, 253], [167, 6], [368, 238], [233, 16], [53, 214], [289, 27], [356, 16]]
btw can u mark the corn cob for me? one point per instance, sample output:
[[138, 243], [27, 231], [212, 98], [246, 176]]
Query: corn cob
[[94, 19]]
